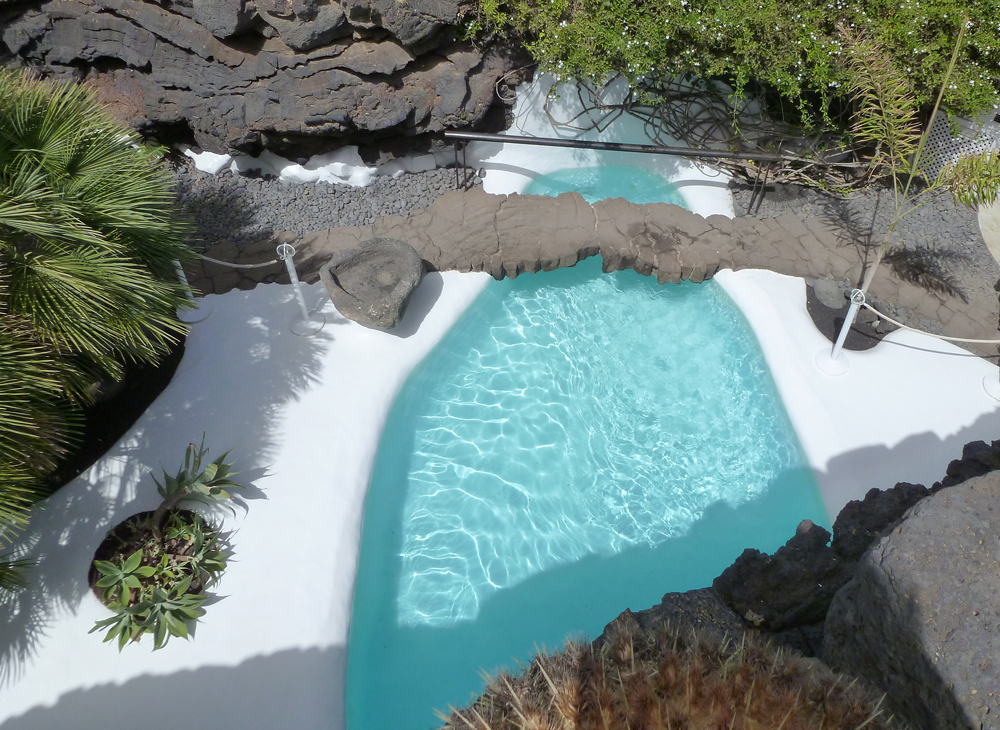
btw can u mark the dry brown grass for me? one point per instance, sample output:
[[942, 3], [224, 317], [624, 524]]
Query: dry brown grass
[[668, 681]]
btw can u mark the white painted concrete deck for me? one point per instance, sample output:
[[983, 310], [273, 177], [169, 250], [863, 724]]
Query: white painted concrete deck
[[901, 412], [303, 417]]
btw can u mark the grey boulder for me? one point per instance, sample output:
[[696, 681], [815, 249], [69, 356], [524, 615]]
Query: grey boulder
[[920, 618], [410, 21], [222, 18], [371, 283], [310, 27], [830, 293]]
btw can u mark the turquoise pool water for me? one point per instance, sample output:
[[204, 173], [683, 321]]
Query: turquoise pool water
[[577, 444], [610, 181]]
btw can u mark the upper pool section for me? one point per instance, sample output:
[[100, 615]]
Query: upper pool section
[[608, 181], [549, 112]]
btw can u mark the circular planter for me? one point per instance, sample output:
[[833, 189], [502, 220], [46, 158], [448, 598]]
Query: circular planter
[[134, 533]]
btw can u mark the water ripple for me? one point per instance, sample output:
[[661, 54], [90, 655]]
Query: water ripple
[[591, 415]]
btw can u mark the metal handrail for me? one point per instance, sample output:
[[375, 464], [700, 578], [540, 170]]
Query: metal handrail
[[623, 147]]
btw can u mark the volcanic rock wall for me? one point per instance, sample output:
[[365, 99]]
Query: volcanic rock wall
[[296, 76]]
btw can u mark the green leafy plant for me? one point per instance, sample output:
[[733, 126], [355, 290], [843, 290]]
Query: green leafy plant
[[163, 562], [120, 580], [200, 548], [192, 482], [164, 613], [975, 179], [886, 117], [789, 51]]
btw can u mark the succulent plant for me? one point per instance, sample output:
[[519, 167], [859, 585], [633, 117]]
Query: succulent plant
[[120, 580], [164, 613], [160, 587], [193, 482]]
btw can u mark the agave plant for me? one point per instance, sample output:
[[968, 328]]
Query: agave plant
[[120, 580], [203, 556], [160, 587], [192, 482], [164, 613]]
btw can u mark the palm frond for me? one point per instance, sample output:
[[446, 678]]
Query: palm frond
[[13, 572], [886, 110]]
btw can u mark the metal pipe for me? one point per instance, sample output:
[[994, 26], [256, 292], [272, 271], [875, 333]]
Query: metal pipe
[[649, 149], [285, 252], [198, 309], [182, 277], [857, 299]]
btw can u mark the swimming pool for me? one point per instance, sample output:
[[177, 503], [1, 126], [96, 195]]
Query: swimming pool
[[577, 444]]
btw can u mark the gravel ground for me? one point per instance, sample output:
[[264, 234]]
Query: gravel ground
[[938, 244], [227, 207]]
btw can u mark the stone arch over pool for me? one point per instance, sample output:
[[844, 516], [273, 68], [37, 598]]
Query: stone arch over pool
[[507, 235]]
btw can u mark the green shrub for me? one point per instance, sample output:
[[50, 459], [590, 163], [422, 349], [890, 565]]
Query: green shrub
[[664, 679], [788, 49]]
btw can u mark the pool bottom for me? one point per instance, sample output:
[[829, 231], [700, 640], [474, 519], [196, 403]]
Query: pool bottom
[[400, 671], [404, 674]]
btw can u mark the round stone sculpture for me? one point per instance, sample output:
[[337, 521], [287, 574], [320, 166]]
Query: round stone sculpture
[[371, 283]]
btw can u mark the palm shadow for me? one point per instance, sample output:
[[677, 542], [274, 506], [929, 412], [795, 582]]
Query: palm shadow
[[240, 367], [928, 266]]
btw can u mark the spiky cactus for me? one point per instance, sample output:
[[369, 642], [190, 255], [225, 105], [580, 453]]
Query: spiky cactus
[[664, 679]]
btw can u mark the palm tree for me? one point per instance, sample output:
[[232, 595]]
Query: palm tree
[[887, 119], [88, 228], [88, 236]]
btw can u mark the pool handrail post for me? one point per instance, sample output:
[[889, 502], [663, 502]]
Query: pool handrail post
[[200, 309], [835, 363], [309, 324]]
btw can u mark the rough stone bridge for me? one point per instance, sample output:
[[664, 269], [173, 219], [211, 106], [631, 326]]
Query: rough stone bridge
[[507, 235]]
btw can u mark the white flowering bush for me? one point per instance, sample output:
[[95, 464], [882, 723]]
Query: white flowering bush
[[789, 51]]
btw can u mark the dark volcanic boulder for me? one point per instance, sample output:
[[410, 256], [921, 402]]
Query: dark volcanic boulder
[[788, 593], [411, 21], [920, 618], [861, 522], [372, 283], [789, 589], [310, 27], [222, 18], [295, 76], [701, 611], [978, 458]]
